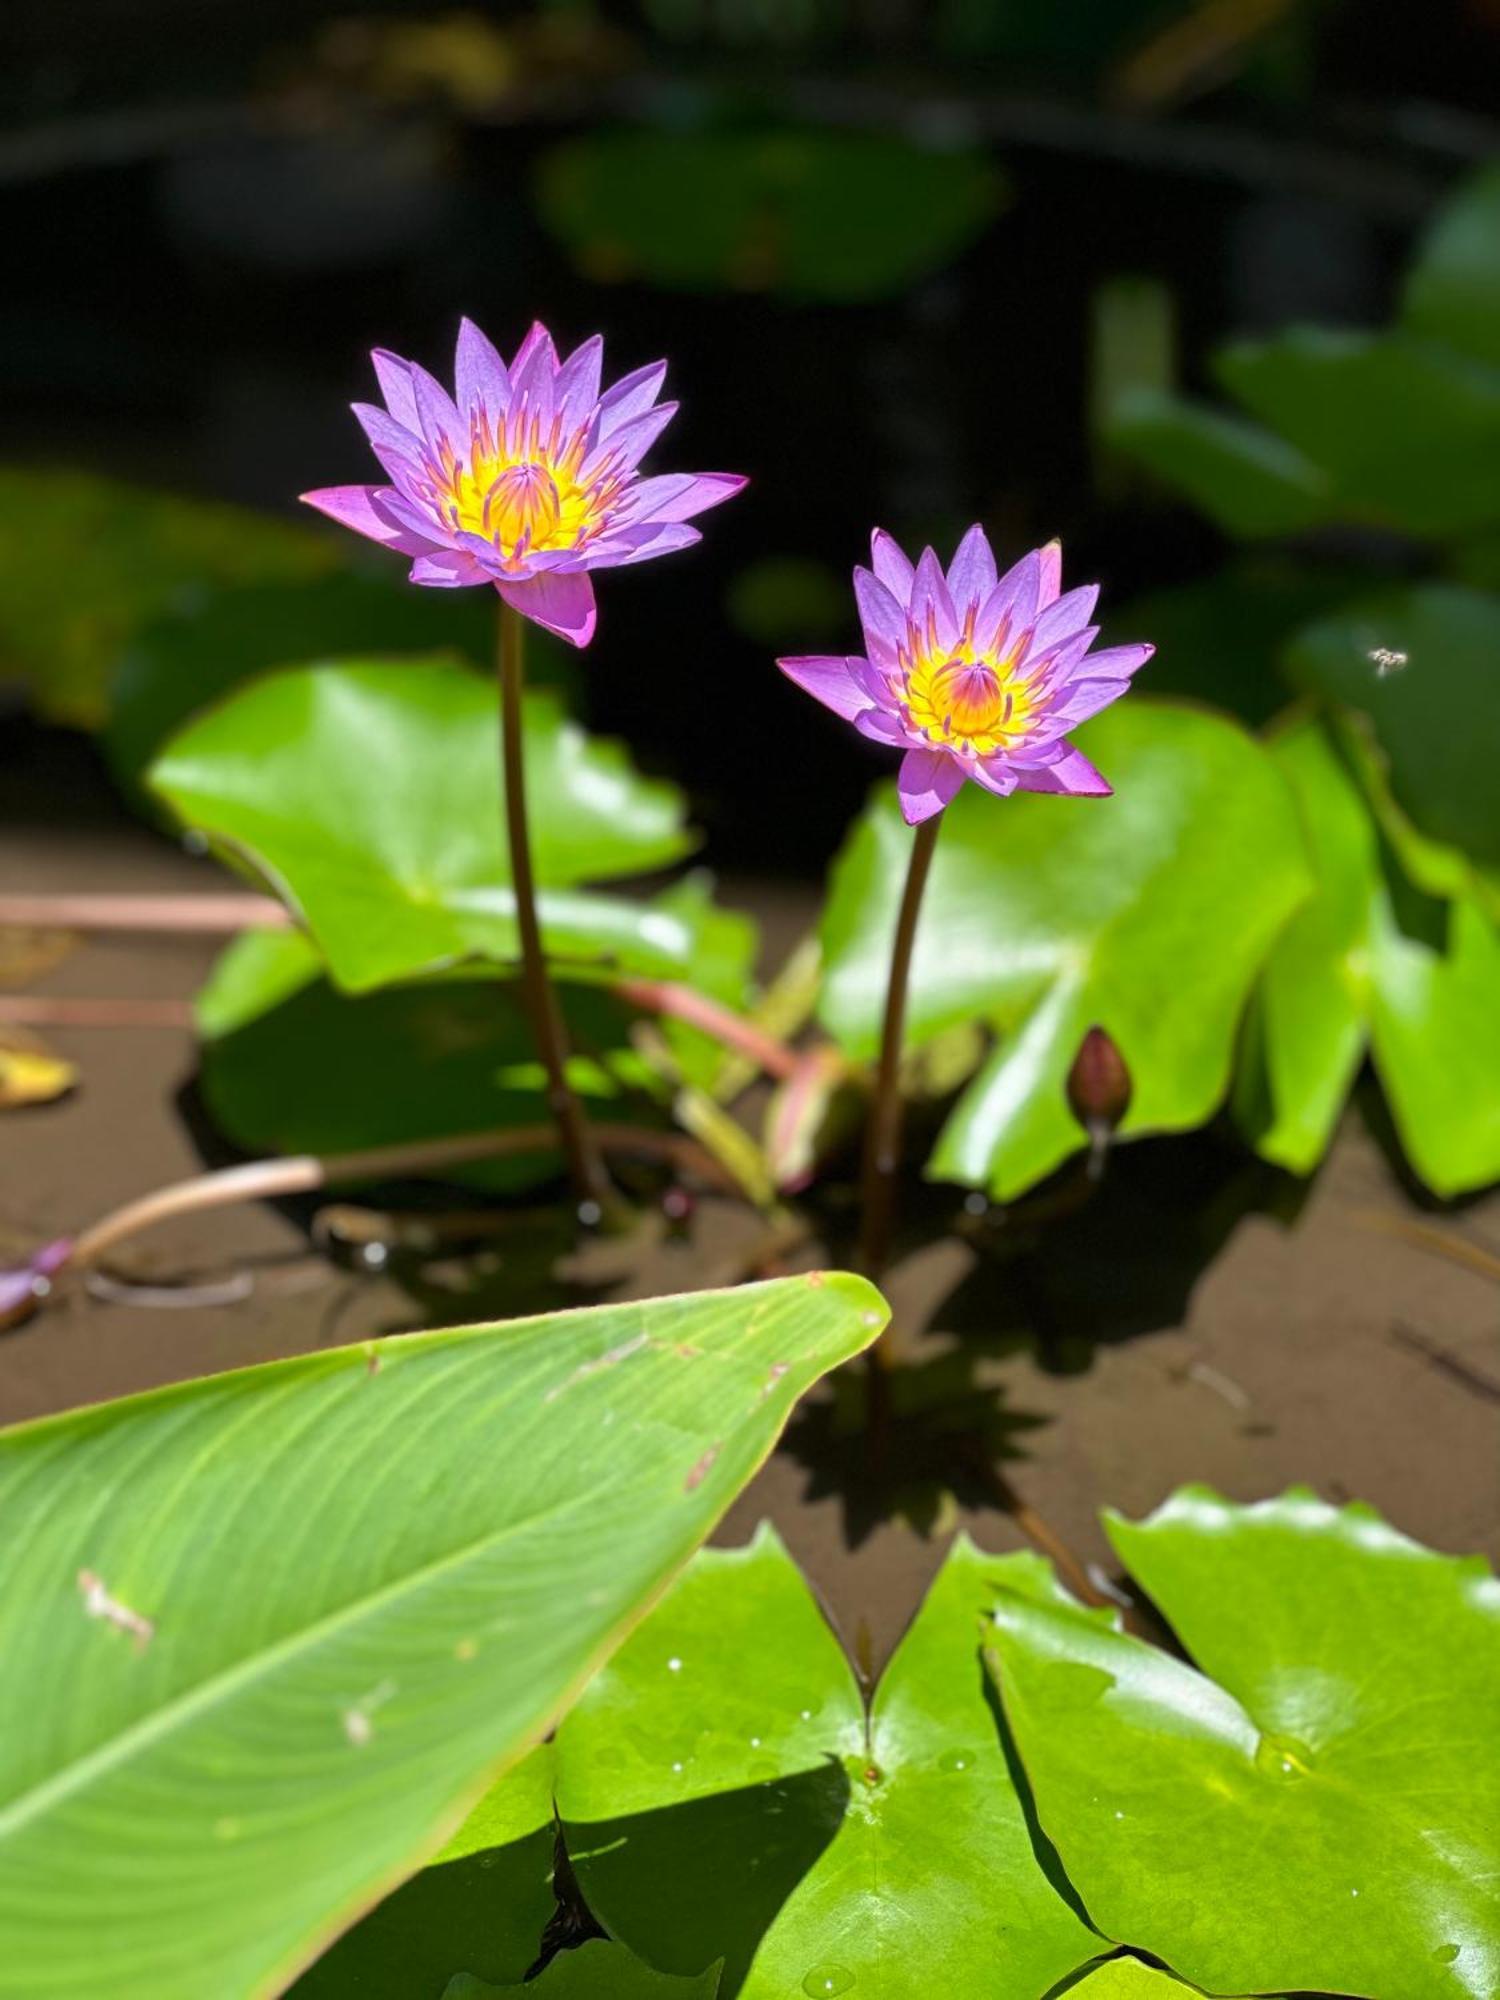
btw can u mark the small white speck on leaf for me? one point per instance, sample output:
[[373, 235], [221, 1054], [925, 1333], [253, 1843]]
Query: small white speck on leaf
[[98, 1603]]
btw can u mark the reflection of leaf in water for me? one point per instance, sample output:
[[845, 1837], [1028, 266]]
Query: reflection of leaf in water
[[818, 215]]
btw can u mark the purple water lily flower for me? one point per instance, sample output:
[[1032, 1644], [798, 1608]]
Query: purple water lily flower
[[975, 675], [526, 478]]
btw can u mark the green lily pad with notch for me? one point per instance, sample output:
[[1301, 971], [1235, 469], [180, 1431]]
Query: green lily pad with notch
[[1130, 1979], [1453, 288], [275, 1633], [597, 1970], [1149, 913], [191, 657], [1435, 717], [291, 1065], [1407, 431], [1369, 963], [724, 1796], [813, 214], [368, 796], [88, 561], [1316, 1804]]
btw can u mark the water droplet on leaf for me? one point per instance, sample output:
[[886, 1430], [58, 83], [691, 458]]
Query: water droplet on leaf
[[827, 1979], [1283, 1757]]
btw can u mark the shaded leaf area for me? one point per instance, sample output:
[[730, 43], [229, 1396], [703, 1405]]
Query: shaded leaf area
[[1397, 429], [1371, 963], [1317, 1805], [1220, 640], [291, 1065], [724, 1795], [86, 561], [1148, 914], [596, 1971], [273, 1631], [195, 654], [1433, 713], [368, 795], [812, 214]]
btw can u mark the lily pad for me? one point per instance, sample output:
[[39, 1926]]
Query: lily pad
[[275, 1632], [814, 214], [725, 1796], [88, 561], [1149, 914], [1245, 477], [595, 1971], [1453, 289], [1317, 1804], [368, 796]]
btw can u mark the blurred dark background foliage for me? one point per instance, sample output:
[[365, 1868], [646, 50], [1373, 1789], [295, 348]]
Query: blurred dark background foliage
[[901, 254]]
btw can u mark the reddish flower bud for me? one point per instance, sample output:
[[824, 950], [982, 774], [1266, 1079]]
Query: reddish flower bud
[[1099, 1086]]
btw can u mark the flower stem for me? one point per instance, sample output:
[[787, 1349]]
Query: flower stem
[[585, 1166], [883, 1132]]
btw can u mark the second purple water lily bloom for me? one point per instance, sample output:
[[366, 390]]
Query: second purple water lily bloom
[[525, 478], [973, 674]]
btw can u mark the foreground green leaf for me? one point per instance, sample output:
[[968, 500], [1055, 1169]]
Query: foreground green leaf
[[1130, 1979], [1148, 913], [86, 561], [274, 1631], [369, 796], [1319, 1807], [724, 1796], [1368, 963]]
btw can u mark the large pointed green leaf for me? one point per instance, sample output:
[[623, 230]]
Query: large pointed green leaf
[[1408, 431], [1319, 1806], [1356, 967], [1453, 289], [85, 561], [371, 1577], [1148, 913], [369, 796], [725, 1796]]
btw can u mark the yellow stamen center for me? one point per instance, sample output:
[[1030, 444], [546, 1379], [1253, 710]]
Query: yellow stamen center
[[519, 487], [961, 700]]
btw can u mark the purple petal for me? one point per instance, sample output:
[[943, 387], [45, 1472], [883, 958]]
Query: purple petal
[[828, 678], [996, 774], [1119, 662], [931, 608], [629, 444], [1011, 606], [533, 374], [398, 449], [926, 782], [662, 540], [882, 727], [578, 382], [362, 509], [972, 576], [1086, 698], [394, 376], [1064, 617], [437, 412], [1050, 559], [883, 618], [630, 397], [480, 377], [889, 562], [450, 570], [1072, 774], [562, 604], [675, 496]]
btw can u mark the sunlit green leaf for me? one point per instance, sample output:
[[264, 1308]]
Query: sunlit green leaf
[[1148, 913], [1408, 432], [817, 214], [725, 1796], [85, 561], [1249, 480], [369, 796], [1130, 1979], [1453, 289], [1319, 1806], [273, 1632]]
